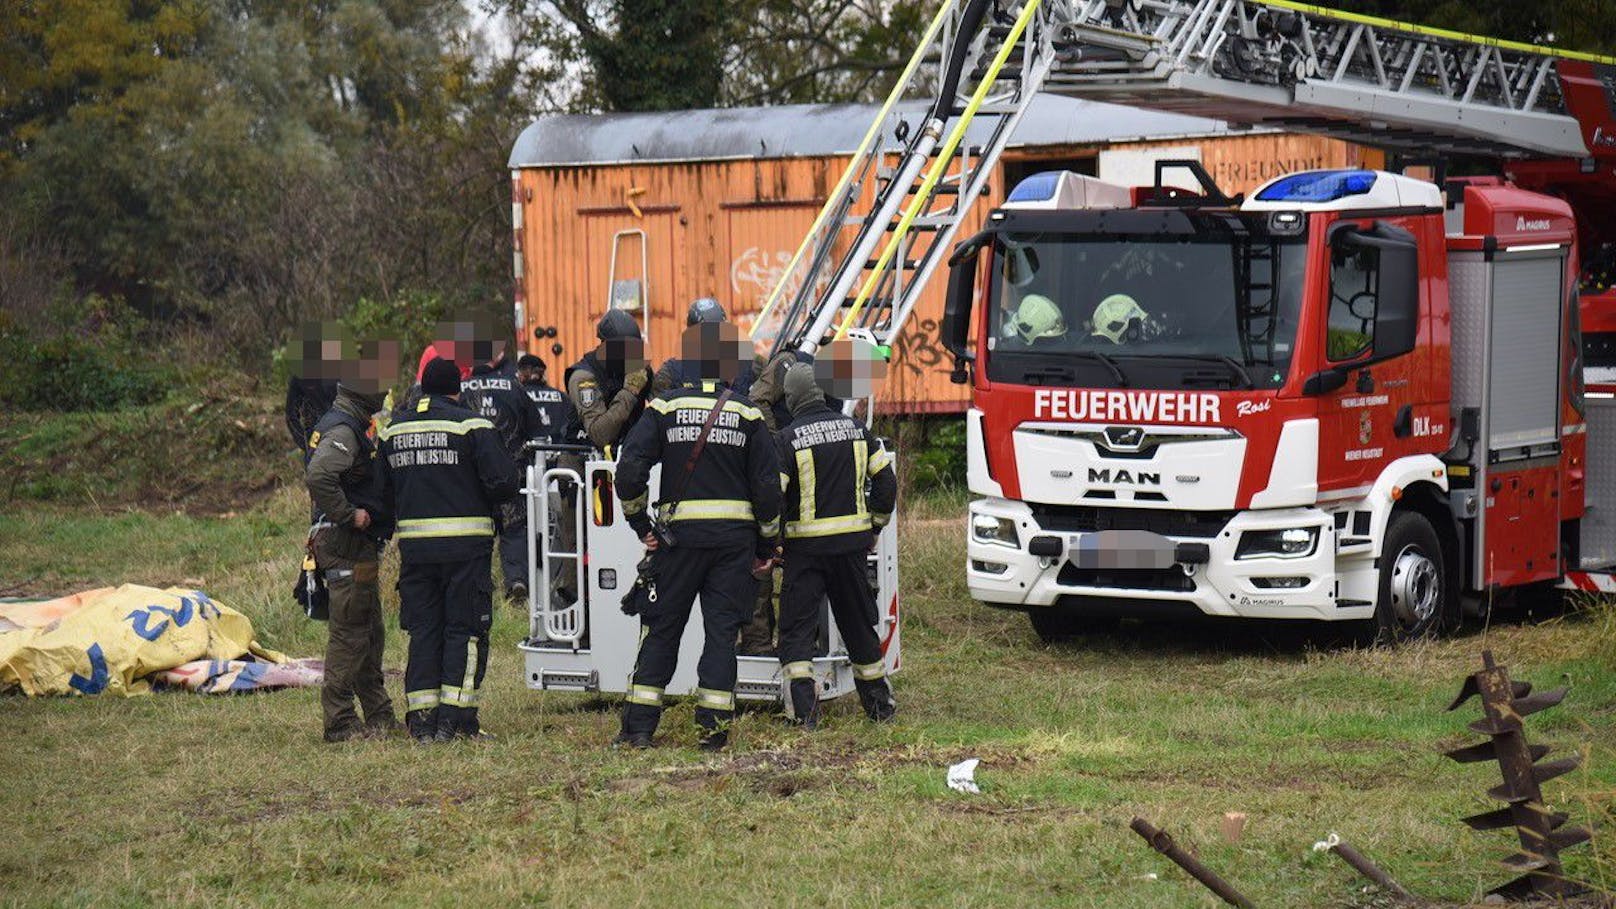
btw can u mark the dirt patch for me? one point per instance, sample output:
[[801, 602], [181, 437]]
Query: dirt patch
[[783, 773]]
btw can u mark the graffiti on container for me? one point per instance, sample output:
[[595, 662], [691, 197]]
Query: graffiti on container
[[755, 272], [919, 348]]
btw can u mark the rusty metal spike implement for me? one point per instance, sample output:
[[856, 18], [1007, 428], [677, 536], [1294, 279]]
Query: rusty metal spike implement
[[1504, 704]]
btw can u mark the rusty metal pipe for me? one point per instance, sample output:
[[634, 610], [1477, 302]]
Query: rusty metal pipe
[[1361, 864], [1161, 842]]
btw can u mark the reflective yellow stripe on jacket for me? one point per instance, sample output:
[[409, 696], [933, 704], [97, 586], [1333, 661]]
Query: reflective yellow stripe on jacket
[[825, 527], [713, 510], [693, 403], [457, 427], [418, 528]]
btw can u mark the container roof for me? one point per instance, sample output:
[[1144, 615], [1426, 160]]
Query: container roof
[[813, 130]]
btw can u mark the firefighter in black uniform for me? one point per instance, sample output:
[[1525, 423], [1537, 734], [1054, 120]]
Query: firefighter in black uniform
[[493, 392], [353, 517], [839, 492], [757, 635], [449, 473], [720, 506]]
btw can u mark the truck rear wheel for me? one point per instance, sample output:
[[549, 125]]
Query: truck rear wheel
[[1053, 624], [1416, 597]]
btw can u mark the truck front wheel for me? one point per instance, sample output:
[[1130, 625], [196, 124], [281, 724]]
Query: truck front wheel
[[1416, 597]]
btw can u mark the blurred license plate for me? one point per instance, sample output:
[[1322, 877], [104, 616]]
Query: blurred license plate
[[1120, 549]]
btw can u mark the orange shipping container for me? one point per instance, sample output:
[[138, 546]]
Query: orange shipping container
[[715, 202]]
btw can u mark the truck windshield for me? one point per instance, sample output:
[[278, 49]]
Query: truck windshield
[[1148, 311]]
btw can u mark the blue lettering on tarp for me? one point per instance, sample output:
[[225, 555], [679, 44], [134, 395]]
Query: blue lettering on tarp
[[205, 607], [97, 682], [140, 619]]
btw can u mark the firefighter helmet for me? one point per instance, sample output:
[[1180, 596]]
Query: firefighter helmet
[[1114, 314], [1038, 317]]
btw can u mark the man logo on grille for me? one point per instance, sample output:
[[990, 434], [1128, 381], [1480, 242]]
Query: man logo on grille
[[1124, 438]]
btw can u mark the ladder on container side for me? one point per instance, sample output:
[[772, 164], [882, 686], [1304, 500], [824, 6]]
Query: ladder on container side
[[892, 216]]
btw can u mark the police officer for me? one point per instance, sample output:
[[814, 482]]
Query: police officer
[[555, 413], [449, 473], [493, 392], [720, 503], [831, 519], [609, 386], [353, 515]]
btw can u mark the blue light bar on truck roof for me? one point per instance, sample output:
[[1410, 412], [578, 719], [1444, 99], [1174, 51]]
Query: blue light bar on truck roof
[[1318, 186], [1039, 187]]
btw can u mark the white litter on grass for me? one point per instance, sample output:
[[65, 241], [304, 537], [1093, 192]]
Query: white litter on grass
[[1328, 843], [962, 776]]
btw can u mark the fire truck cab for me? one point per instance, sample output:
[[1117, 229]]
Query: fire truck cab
[[1353, 396]]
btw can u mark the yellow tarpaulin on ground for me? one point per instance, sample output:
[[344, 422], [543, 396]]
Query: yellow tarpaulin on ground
[[108, 641]]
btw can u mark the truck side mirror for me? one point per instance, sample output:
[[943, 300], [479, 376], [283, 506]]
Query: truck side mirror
[[1396, 299], [1397, 321], [956, 328], [1324, 381]]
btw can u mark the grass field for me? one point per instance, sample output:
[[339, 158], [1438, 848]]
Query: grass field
[[181, 799]]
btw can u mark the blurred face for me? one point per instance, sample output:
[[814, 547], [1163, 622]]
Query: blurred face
[[714, 349], [317, 350], [470, 341], [373, 366], [850, 368], [628, 351]]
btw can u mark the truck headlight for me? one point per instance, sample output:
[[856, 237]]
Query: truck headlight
[[998, 531], [1290, 543]]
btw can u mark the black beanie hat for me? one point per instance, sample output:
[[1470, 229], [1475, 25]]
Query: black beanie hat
[[441, 377]]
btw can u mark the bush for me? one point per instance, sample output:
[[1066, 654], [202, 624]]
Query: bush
[[931, 452], [411, 317], [88, 356]]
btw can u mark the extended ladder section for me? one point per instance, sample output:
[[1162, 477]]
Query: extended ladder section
[[891, 218], [1307, 68]]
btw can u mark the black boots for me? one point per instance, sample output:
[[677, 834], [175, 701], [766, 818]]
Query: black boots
[[637, 740], [444, 724], [459, 723], [876, 698], [805, 703], [713, 739], [422, 725]]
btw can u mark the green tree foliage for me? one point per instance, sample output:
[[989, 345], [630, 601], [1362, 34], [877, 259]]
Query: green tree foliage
[[806, 51], [639, 55], [651, 54], [240, 165]]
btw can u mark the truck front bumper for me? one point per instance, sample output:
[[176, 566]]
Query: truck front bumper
[[1205, 575]]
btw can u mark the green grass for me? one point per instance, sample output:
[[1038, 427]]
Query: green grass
[[205, 449], [178, 799]]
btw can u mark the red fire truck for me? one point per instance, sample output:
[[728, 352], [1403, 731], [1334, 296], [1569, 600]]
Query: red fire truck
[[1350, 396], [1355, 395]]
